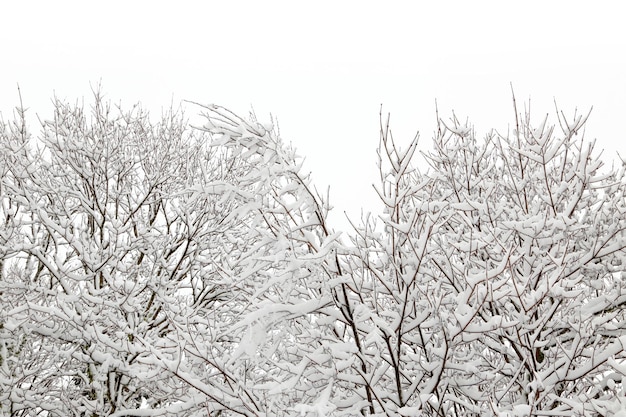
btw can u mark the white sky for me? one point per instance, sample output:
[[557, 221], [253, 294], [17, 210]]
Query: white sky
[[325, 67]]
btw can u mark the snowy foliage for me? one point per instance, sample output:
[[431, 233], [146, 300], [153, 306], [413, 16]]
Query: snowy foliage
[[496, 286], [166, 269]]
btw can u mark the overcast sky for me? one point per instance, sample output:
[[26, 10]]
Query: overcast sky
[[324, 68]]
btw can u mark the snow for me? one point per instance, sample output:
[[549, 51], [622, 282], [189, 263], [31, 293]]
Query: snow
[[322, 407], [204, 276]]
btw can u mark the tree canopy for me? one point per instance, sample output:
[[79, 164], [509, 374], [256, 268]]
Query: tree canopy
[[156, 268]]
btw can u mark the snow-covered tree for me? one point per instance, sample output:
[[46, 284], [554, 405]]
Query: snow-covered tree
[[100, 253], [494, 283], [158, 267], [162, 268]]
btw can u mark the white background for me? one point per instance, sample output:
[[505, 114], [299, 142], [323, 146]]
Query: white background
[[324, 68]]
